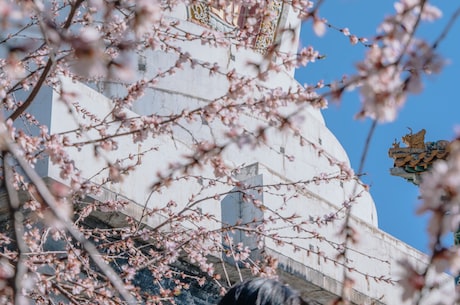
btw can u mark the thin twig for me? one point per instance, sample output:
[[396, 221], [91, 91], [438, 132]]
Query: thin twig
[[446, 30], [347, 228], [18, 228]]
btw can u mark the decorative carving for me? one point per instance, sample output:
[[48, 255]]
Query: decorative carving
[[415, 140], [203, 14], [418, 156], [268, 27], [199, 12]]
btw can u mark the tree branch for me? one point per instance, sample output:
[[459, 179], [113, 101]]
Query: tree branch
[[17, 220], [46, 70], [61, 216]]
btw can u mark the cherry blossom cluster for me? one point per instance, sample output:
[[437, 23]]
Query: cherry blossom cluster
[[396, 60]]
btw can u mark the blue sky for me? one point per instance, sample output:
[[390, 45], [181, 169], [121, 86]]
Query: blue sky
[[436, 109]]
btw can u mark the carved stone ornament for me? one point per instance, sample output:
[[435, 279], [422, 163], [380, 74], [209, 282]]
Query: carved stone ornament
[[269, 26], [199, 12], [203, 14]]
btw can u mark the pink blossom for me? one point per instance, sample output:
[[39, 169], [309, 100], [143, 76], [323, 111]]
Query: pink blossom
[[382, 88], [354, 39], [307, 55], [89, 52], [411, 280], [431, 12], [147, 14], [346, 31], [447, 260], [319, 27], [440, 193]]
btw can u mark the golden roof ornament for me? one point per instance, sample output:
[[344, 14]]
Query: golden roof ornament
[[415, 140], [417, 157]]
